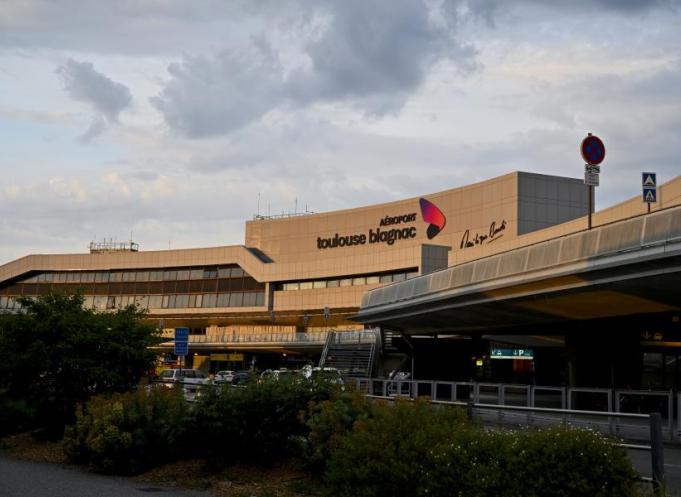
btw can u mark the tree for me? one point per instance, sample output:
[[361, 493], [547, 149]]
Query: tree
[[55, 354]]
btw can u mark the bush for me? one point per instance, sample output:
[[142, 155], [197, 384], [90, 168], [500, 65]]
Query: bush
[[128, 433], [55, 355], [414, 450], [385, 455], [556, 462], [329, 421], [15, 415], [565, 462], [255, 424]]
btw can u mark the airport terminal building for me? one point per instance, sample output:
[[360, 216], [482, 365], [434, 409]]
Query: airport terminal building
[[301, 281]]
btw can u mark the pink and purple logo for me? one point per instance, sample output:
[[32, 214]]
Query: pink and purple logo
[[431, 214]]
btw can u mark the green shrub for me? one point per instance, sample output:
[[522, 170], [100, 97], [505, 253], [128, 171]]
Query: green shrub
[[329, 421], [386, 454], [564, 462], [128, 433], [257, 423], [413, 450]]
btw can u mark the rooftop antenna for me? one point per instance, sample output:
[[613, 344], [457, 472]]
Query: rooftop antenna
[[295, 206], [258, 204]]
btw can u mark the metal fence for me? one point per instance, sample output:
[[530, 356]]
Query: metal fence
[[546, 397]]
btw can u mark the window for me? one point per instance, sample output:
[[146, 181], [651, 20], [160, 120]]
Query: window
[[88, 278], [169, 275], [413, 274], [291, 286], [164, 303], [346, 282], [386, 278], [260, 298], [128, 276], [72, 277], [182, 301], [359, 281], [372, 280], [210, 272], [209, 300], [111, 303], [223, 300], [100, 302], [155, 275], [61, 277], [305, 285], [332, 283], [398, 277], [237, 272], [101, 277], [198, 300], [236, 299], [319, 284], [249, 299], [224, 272], [142, 275], [155, 301], [116, 276], [183, 274]]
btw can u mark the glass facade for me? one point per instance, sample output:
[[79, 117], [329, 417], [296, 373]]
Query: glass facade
[[172, 288], [372, 279]]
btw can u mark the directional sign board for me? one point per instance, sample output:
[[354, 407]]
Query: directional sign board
[[525, 354], [649, 184], [181, 341]]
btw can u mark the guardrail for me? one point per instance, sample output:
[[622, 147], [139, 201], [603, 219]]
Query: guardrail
[[507, 394]]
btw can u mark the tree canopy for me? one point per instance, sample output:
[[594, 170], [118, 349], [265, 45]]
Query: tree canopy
[[55, 354]]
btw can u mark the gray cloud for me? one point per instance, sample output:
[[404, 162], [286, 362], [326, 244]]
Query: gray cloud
[[371, 55], [106, 97], [84, 84]]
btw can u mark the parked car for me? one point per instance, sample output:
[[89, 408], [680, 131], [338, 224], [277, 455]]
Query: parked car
[[330, 375], [189, 378], [241, 377], [279, 374], [224, 377]]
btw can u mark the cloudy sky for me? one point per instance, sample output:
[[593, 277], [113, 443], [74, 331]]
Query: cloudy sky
[[168, 119]]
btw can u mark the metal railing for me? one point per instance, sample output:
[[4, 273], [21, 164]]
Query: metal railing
[[537, 396]]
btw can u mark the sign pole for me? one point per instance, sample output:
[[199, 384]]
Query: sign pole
[[593, 153], [591, 199]]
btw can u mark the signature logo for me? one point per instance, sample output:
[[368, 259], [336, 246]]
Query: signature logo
[[431, 214]]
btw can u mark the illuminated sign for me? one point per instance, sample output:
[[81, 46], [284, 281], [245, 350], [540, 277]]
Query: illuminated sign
[[525, 354]]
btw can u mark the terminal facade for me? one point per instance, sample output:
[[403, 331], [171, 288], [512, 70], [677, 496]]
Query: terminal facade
[[275, 299]]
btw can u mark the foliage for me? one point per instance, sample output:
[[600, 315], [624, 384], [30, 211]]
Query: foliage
[[414, 450], [330, 420], [14, 414], [257, 423], [385, 455], [128, 433], [55, 354]]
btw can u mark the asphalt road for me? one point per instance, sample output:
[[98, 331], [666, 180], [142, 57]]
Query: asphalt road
[[31, 479]]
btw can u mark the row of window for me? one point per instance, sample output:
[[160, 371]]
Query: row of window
[[139, 275], [102, 302], [356, 281], [139, 287]]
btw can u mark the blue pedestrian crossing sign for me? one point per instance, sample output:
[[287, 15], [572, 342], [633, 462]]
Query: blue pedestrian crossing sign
[[181, 341], [649, 184]]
